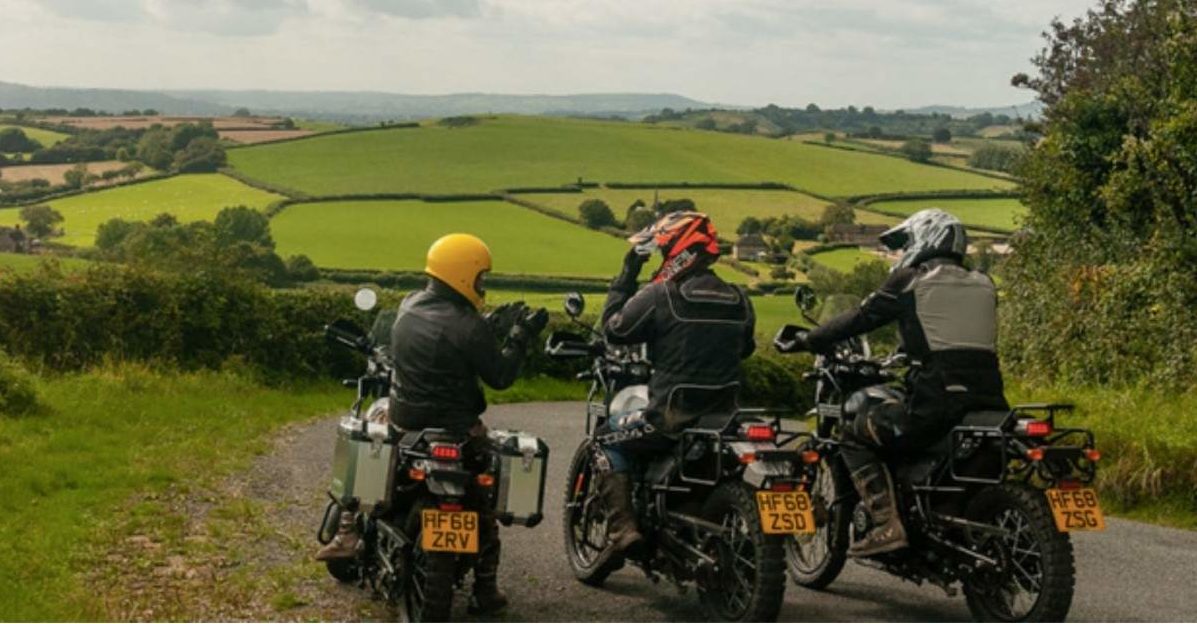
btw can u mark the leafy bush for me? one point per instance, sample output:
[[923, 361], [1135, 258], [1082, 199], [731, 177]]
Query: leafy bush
[[917, 150], [596, 213], [18, 393], [14, 140], [996, 158]]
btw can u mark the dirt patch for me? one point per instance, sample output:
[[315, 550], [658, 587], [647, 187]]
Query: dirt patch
[[54, 173], [262, 136], [137, 122]]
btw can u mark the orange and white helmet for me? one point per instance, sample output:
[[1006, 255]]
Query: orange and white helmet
[[684, 239]]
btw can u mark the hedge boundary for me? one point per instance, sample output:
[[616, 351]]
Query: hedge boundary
[[405, 125], [21, 203], [880, 151], [865, 203]]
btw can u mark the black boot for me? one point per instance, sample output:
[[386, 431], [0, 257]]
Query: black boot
[[487, 598], [622, 532], [876, 490]]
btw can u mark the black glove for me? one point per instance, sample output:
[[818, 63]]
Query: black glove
[[633, 261], [504, 317], [790, 339], [534, 321]]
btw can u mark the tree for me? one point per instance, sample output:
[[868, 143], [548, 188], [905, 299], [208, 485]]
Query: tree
[[164, 219], [941, 135], [677, 205], [837, 214], [76, 176], [812, 108], [242, 112], [596, 213], [203, 154], [639, 219], [706, 123], [242, 224], [829, 137], [154, 149], [750, 225], [996, 158], [1101, 285], [14, 140], [301, 269], [113, 232], [40, 219], [917, 150]]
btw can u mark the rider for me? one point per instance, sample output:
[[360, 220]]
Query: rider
[[947, 320], [442, 347], [697, 329]]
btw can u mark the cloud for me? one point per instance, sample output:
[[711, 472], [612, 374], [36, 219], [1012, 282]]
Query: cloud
[[423, 9]]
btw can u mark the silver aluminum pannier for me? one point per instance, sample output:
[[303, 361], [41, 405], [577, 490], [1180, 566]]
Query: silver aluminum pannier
[[522, 461], [362, 462]]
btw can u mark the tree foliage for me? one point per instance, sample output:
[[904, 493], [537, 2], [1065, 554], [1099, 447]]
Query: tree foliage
[[40, 219], [1103, 287], [595, 213]]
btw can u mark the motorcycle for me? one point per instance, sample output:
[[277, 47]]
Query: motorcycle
[[713, 511], [417, 496], [988, 509]]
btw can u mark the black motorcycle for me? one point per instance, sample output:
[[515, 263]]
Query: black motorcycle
[[988, 508], [417, 496], [714, 511]]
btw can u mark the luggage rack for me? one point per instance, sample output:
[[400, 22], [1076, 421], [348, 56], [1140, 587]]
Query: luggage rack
[[717, 437], [965, 439]]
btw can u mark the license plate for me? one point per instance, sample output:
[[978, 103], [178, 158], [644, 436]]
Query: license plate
[[785, 513], [449, 531], [1076, 510]]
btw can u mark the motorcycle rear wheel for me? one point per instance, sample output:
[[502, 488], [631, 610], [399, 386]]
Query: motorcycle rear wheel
[[584, 522], [428, 588], [815, 561], [756, 566], [1039, 577]]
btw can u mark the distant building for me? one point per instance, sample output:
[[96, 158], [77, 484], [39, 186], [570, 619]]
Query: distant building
[[12, 240], [855, 234], [750, 247]]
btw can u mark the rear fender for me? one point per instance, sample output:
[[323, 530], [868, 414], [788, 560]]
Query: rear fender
[[447, 479], [768, 462]]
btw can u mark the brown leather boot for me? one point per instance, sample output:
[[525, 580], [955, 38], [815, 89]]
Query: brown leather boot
[[344, 545], [876, 490], [622, 532], [487, 597]]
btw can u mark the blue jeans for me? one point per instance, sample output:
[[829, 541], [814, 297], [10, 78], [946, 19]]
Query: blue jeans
[[626, 437]]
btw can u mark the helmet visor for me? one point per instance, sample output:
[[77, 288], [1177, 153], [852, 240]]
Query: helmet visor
[[896, 237]]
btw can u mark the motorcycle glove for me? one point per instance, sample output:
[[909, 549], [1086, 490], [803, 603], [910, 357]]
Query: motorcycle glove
[[795, 342], [534, 321], [504, 317]]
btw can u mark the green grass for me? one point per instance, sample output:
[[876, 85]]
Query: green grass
[[395, 235], [527, 151], [844, 259], [106, 436], [1000, 214], [45, 137], [1148, 440], [24, 263], [197, 197], [318, 125]]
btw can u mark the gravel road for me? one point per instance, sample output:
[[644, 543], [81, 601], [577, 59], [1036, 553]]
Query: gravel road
[[1132, 572]]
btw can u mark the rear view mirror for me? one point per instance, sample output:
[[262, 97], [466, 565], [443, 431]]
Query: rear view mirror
[[804, 298], [575, 304], [365, 299]]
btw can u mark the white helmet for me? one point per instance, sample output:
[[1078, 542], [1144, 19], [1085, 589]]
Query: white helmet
[[926, 234]]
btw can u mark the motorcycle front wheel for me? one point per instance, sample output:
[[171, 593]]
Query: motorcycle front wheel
[[815, 560], [584, 521], [1036, 574], [752, 564]]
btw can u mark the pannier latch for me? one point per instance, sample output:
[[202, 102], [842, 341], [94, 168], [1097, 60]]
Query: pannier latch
[[377, 432], [528, 448]]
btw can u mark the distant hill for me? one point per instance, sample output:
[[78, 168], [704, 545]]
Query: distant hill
[[1028, 110], [350, 106]]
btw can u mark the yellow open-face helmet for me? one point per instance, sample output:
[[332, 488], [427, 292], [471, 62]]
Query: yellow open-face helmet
[[460, 260]]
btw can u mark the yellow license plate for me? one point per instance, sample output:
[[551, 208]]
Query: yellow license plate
[[786, 513], [1076, 510], [449, 531]]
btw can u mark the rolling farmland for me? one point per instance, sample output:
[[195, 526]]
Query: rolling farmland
[[509, 152], [394, 235], [999, 214], [188, 197], [844, 259], [45, 137]]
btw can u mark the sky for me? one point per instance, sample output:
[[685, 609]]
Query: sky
[[884, 53]]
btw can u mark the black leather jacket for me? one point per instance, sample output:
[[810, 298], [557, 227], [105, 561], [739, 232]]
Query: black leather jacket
[[697, 330], [947, 321], [442, 347]]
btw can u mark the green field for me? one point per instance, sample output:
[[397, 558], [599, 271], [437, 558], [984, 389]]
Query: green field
[[394, 235], [844, 259], [195, 197], [521, 151], [23, 263], [45, 137], [999, 214]]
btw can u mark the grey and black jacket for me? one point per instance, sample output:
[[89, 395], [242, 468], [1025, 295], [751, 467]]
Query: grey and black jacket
[[697, 330], [947, 321], [442, 347]]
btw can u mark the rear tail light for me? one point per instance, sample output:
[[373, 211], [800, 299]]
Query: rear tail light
[[445, 451], [747, 458], [1092, 455], [759, 433], [450, 507], [782, 487], [486, 479], [1068, 484], [415, 474], [810, 457], [1035, 454], [1034, 428]]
